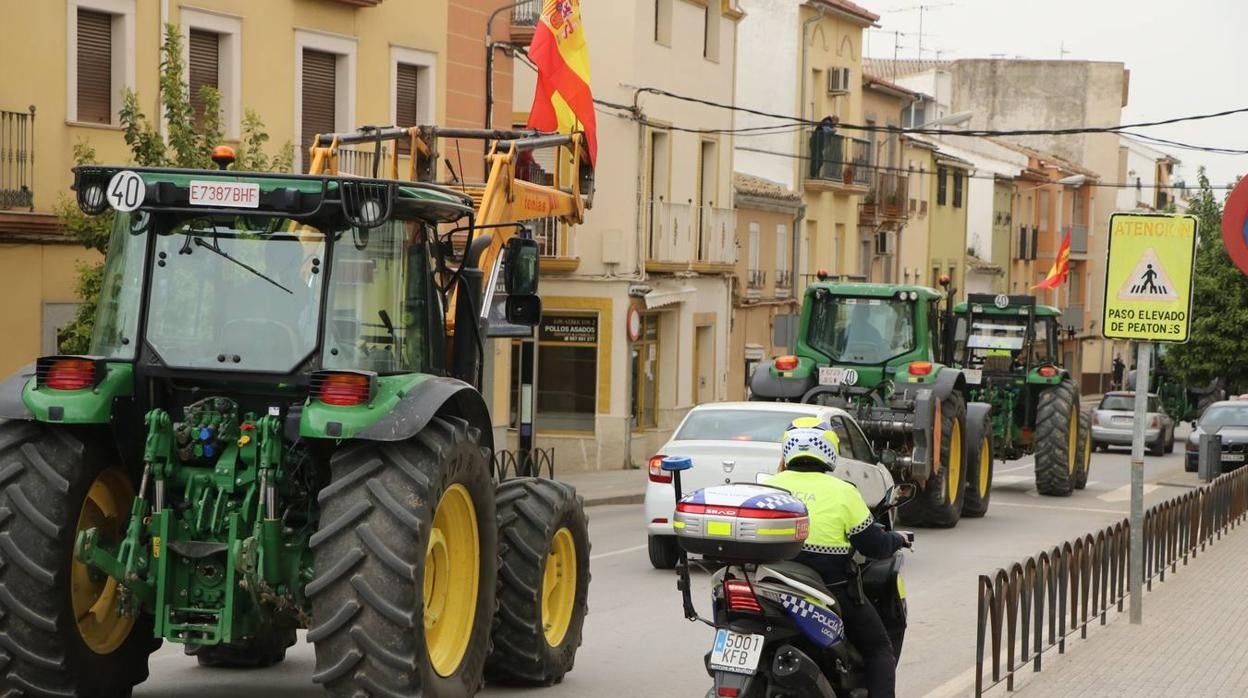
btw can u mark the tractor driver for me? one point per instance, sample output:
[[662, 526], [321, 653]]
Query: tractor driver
[[840, 523]]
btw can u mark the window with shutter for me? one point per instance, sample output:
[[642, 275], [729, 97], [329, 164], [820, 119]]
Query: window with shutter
[[95, 67], [319, 94], [204, 67], [407, 82]]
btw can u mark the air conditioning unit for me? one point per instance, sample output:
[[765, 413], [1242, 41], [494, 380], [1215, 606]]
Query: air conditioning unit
[[885, 243], [838, 81]]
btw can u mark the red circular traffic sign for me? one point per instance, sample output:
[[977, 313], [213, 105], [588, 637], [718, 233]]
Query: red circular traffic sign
[[1235, 225]]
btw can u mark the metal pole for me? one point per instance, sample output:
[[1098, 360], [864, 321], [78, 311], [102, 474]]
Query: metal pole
[[1143, 358]]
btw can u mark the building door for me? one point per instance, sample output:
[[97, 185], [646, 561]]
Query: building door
[[704, 364]]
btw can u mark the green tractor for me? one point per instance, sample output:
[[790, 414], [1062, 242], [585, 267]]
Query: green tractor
[[1181, 400], [277, 428], [1007, 347], [875, 350]]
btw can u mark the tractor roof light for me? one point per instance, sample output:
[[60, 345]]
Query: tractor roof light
[[1047, 371], [343, 388], [822, 275], [920, 368], [786, 363]]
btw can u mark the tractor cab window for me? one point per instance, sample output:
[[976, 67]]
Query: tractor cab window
[[994, 343], [117, 312], [377, 316], [241, 293], [861, 330], [1044, 345]]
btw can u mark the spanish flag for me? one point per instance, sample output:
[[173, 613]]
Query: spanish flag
[[1061, 267], [563, 101]]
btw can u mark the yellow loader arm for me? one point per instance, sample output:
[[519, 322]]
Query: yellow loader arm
[[502, 199]]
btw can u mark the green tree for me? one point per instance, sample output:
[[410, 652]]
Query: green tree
[[1218, 347], [186, 142]]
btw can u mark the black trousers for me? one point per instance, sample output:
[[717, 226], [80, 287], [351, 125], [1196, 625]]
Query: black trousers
[[867, 633]]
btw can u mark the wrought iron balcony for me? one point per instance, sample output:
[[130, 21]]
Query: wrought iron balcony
[[1072, 316], [886, 201], [840, 159], [756, 279], [526, 15], [784, 279], [17, 159]]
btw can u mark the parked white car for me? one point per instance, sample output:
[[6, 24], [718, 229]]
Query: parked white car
[[737, 441]]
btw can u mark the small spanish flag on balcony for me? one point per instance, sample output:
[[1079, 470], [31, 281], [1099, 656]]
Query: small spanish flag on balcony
[[1061, 267], [563, 101]]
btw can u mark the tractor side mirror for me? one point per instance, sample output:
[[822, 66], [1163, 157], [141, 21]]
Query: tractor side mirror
[[524, 310], [520, 265]]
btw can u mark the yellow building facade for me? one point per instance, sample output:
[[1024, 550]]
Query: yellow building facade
[[300, 65]]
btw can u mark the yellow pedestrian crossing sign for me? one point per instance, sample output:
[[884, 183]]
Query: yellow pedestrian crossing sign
[[1148, 277]]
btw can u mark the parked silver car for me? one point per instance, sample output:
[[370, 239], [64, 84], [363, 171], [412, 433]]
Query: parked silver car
[[1114, 420], [1228, 418]]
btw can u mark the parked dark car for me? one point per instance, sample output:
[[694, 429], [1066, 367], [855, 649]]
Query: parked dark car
[[1229, 419]]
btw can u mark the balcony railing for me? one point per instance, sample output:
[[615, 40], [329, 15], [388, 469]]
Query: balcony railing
[[553, 238], [17, 159], [755, 279], [1072, 316], [1079, 239], [839, 159], [526, 15], [886, 200], [784, 279], [359, 162], [684, 233]]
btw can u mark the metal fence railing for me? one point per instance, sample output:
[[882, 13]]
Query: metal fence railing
[[531, 463], [17, 159], [1038, 603]]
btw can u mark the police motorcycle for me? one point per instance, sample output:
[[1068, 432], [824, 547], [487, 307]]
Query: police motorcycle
[[778, 632]]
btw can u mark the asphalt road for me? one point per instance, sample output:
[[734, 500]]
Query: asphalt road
[[637, 643]]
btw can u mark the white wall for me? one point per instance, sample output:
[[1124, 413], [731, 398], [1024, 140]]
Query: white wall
[[768, 61], [1142, 160]]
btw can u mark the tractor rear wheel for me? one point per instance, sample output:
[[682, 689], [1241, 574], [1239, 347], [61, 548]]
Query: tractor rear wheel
[[1057, 439], [543, 582], [939, 503], [979, 465], [264, 650], [1083, 464], [60, 630], [405, 566]]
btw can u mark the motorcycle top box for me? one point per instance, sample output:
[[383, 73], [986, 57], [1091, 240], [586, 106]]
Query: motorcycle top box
[[741, 523]]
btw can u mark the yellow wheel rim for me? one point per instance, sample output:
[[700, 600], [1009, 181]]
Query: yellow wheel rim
[[955, 461], [452, 578], [95, 596], [1072, 455], [559, 587], [1087, 452], [985, 465]]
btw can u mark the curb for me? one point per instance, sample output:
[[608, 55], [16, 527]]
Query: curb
[[614, 499]]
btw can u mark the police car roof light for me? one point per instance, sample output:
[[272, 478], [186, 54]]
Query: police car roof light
[[677, 463]]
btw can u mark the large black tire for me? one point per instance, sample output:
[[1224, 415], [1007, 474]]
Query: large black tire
[[264, 650], [1057, 439], [979, 465], [46, 473], [664, 552], [541, 523], [370, 548], [1083, 464], [939, 502]]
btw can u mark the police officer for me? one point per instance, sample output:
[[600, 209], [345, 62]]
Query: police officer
[[840, 523]]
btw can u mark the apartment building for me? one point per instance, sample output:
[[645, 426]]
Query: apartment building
[[884, 209], [638, 303], [303, 66]]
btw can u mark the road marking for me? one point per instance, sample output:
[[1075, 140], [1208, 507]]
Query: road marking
[[1017, 467], [1057, 508], [1010, 479], [613, 553], [956, 686], [1123, 494]]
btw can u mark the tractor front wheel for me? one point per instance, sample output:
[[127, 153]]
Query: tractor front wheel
[[1083, 463], [939, 503], [1057, 439], [979, 465], [543, 582], [61, 632], [406, 568]]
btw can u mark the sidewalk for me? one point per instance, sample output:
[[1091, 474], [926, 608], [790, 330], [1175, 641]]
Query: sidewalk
[[1192, 642], [607, 486]]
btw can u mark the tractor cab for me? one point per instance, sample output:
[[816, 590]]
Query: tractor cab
[[1003, 336]]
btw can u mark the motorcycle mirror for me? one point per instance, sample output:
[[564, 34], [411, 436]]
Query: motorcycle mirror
[[903, 492]]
